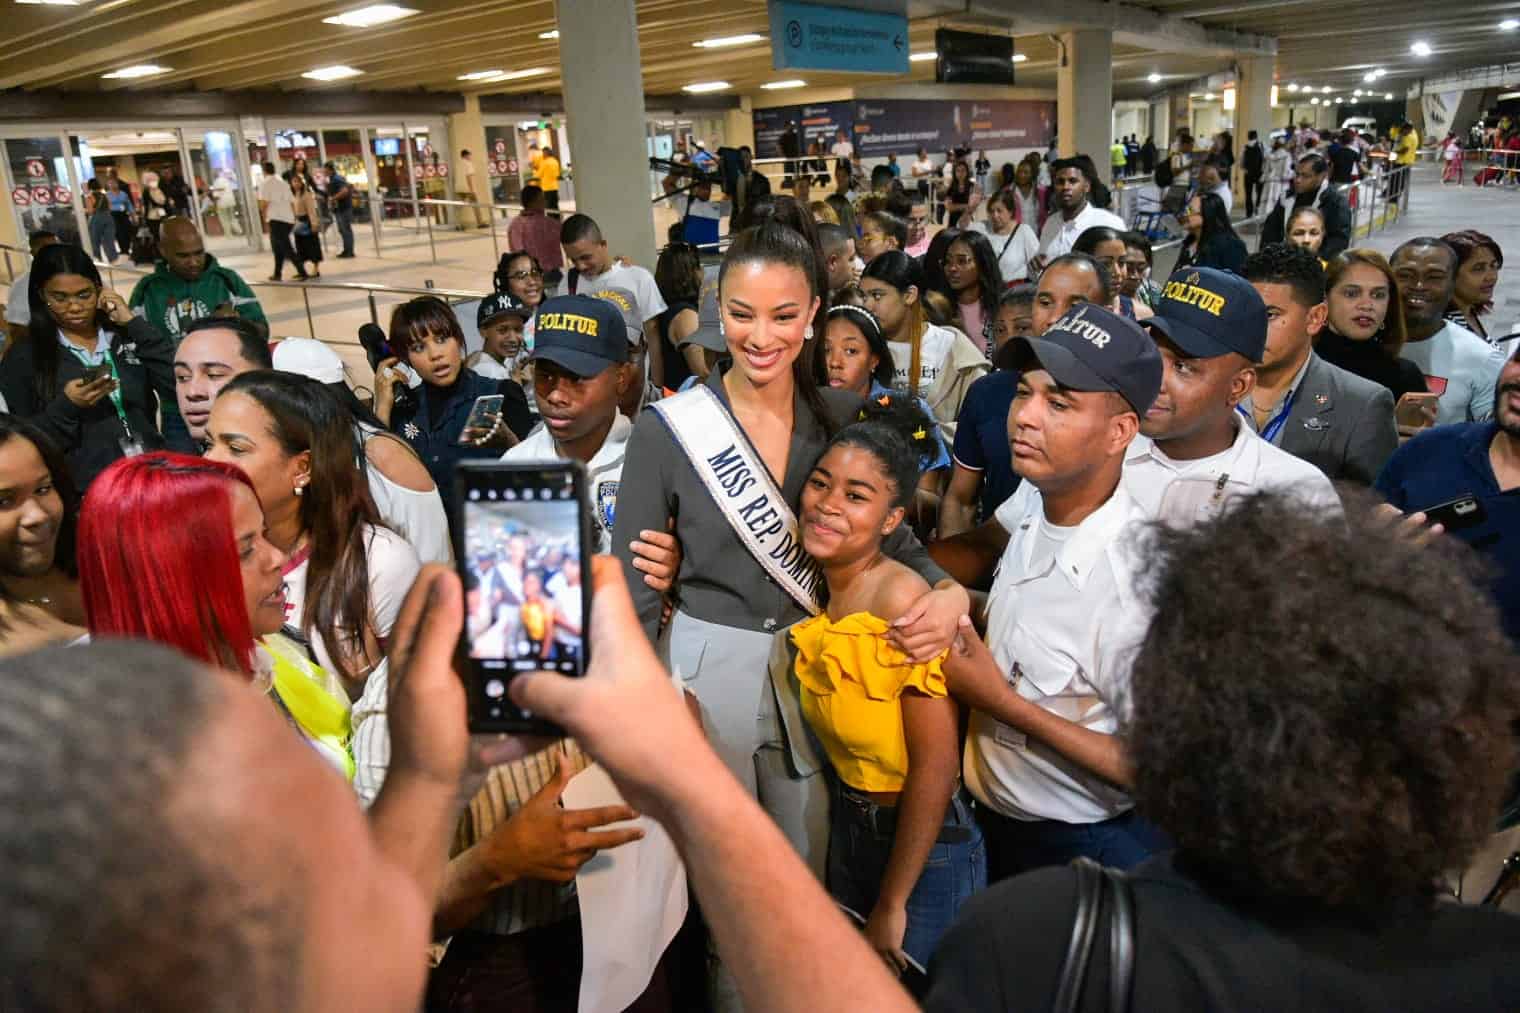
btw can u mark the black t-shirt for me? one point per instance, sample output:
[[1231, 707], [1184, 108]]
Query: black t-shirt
[[1342, 159], [1368, 360], [676, 369], [1193, 952]]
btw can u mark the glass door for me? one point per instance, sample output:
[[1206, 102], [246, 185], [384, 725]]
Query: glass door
[[227, 211]]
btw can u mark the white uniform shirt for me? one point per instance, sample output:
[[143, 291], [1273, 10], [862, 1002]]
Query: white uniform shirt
[[603, 473], [1186, 492], [275, 192], [1062, 614], [1462, 369], [634, 278], [1060, 235]]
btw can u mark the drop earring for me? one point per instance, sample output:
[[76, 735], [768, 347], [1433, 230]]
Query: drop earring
[[807, 333]]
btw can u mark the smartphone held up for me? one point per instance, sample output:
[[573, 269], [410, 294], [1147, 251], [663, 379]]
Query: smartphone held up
[[522, 545]]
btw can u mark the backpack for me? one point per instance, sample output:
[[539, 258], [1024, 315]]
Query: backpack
[[1163, 173]]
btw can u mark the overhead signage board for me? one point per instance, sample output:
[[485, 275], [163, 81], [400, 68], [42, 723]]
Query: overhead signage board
[[813, 37]]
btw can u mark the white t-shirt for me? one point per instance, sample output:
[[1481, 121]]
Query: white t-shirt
[[418, 516], [842, 149], [568, 603], [1063, 618], [634, 278], [1224, 193], [17, 309], [1187, 492], [933, 353], [1014, 251], [275, 192], [1060, 235], [923, 167], [603, 474], [1461, 368]]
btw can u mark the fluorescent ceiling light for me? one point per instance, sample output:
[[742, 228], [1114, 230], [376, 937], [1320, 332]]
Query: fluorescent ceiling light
[[705, 86], [514, 75], [1388, 96], [729, 40], [921, 57], [1208, 96], [1153, 78], [1325, 90], [1357, 93], [369, 17], [51, 3], [1020, 57], [795, 82], [1420, 49], [480, 75], [551, 34], [334, 73], [1314, 101], [1508, 25], [138, 70]]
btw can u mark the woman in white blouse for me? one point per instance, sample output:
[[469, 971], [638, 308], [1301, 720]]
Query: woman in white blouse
[[1014, 242]]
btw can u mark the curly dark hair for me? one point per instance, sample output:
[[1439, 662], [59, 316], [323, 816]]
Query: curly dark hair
[[1339, 732], [1282, 264], [895, 430]]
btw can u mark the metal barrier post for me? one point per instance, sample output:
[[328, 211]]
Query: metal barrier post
[[9, 274], [306, 300], [374, 314], [374, 223], [491, 219], [431, 245], [1372, 189]]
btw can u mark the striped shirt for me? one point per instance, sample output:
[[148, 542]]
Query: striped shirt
[[526, 904]]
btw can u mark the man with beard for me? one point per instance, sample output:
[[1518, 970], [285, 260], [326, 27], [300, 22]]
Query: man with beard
[[1460, 368], [1072, 184], [1474, 466]]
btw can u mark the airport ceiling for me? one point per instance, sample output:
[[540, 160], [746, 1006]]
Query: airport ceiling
[[262, 44]]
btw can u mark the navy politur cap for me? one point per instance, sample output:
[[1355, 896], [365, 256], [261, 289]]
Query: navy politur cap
[[1091, 348], [581, 333], [1208, 313], [497, 303]]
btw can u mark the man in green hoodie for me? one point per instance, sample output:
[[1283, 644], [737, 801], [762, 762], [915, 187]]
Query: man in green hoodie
[[187, 285]]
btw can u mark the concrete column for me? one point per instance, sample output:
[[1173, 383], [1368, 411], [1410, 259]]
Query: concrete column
[[467, 132], [1253, 111], [739, 125], [604, 112], [1085, 95]]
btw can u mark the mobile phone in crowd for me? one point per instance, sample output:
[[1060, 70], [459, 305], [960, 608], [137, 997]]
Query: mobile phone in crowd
[[1454, 515], [522, 541], [483, 415], [93, 373], [1416, 410]]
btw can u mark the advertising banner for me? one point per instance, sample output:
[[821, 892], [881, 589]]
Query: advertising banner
[[817, 122], [900, 126]]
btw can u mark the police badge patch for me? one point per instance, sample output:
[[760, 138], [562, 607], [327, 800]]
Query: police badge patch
[[606, 503]]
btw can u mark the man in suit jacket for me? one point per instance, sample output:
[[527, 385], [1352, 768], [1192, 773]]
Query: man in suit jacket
[[1311, 185], [1334, 419]]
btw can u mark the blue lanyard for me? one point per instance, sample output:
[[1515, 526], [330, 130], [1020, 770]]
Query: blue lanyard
[[1270, 431]]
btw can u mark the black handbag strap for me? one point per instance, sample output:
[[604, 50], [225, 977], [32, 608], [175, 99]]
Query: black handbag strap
[[1093, 881]]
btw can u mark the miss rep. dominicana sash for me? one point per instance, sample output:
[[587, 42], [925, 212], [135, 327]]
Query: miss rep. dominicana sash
[[743, 489]]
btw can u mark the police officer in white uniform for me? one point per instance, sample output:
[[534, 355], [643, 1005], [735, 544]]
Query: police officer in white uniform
[[1194, 453], [1043, 757]]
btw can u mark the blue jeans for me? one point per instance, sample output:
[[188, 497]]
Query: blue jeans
[[103, 237], [344, 217], [860, 844], [1017, 846]]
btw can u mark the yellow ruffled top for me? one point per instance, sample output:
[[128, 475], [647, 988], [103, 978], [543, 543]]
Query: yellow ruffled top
[[852, 678]]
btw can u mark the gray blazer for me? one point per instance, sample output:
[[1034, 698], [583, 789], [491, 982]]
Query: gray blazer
[[1341, 423]]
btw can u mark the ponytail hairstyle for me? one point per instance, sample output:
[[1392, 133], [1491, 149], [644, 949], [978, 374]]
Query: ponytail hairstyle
[[894, 430], [178, 583], [870, 328], [902, 272], [788, 211], [773, 243], [336, 509]]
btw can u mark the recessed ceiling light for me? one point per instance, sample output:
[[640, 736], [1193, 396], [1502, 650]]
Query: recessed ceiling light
[[1357, 93], [1292, 86], [729, 40], [334, 73], [1153, 78], [705, 86], [1508, 25], [921, 57], [480, 75], [551, 34], [1314, 101], [1420, 49], [795, 82], [369, 17], [139, 70], [1208, 96], [1388, 96], [1020, 57]]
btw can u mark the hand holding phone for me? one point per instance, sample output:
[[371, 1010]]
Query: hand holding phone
[[1415, 411], [484, 419], [1454, 515], [522, 541], [93, 373]]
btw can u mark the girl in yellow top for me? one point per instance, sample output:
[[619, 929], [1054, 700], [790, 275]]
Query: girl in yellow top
[[904, 851]]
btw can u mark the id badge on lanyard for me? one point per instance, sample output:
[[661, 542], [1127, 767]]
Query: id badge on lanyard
[[130, 445]]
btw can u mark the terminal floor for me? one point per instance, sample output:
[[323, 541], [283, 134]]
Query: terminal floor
[[465, 260]]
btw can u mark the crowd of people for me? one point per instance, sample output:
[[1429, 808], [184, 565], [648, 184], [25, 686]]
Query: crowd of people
[[917, 623]]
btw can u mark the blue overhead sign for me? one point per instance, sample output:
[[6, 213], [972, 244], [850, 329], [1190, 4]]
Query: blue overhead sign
[[810, 37]]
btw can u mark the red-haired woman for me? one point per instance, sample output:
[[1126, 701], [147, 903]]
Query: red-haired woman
[[346, 573], [209, 584]]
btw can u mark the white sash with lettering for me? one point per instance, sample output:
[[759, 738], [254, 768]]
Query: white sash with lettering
[[742, 488]]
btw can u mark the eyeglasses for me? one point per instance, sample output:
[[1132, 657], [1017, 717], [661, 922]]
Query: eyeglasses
[[961, 262], [531, 272], [84, 298]]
